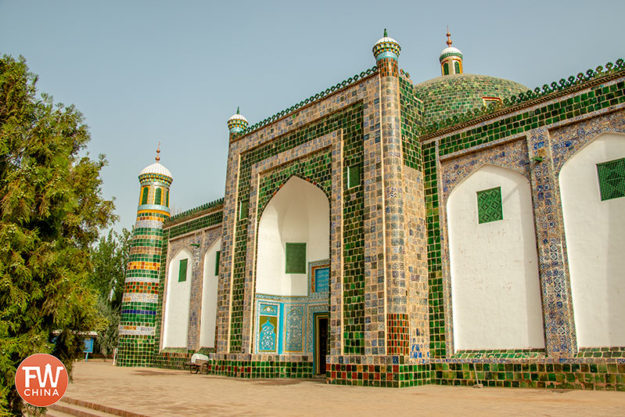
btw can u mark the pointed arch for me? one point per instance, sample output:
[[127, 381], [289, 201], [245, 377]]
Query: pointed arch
[[594, 229], [298, 213], [176, 320], [210, 279], [495, 290]]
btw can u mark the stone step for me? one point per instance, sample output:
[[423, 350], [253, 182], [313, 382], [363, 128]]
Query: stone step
[[74, 407], [74, 410]]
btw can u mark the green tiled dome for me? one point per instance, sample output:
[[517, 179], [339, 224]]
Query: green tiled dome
[[451, 95]]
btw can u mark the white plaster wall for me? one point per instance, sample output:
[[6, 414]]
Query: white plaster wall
[[595, 240], [177, 304], [298, 213], [494, 270], [209, 297]]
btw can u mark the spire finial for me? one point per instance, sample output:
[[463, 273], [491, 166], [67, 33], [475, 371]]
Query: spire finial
[[385, 33], [238, 110], [158, 151], [448, 37]]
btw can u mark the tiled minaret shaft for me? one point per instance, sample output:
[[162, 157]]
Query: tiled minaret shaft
[[386, 52], [138, 325]]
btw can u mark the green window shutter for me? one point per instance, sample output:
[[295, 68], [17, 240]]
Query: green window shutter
[[157, 196], [217, 258], [243, 209], [144, 195], [295, 258], [457, 67], [611, 179], [167, 198], [182, 270], [489, 207], [353, 176], [446, 68]]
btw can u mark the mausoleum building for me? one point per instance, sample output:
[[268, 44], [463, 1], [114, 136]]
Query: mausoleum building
[[387, 232]]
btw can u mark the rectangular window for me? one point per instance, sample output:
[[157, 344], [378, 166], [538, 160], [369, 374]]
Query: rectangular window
[[182, 270], [295, 258], [167, 198], [144, 195], [157, 196], [353, 176], [611, 179], [489, 207], [243, 208], [217, 258]]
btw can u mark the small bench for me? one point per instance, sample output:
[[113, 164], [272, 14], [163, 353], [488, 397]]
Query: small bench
[[198, 361]]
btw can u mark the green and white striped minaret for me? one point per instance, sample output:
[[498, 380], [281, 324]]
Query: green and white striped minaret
[[140, 301]]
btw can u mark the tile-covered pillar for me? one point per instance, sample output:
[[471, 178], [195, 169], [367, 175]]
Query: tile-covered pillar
[[141, 289], [236, 126], [560, 339], [386, 52]]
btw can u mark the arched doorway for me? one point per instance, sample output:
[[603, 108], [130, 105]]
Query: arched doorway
[[292, 271]]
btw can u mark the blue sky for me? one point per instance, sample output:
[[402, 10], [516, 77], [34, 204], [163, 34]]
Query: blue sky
[[148, 71]]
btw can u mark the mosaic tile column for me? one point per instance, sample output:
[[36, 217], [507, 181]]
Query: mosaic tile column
[[560, 339], [386, 52], [140, 299]]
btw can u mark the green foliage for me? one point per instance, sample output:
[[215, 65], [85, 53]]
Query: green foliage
[[50, 214], [109, 258]]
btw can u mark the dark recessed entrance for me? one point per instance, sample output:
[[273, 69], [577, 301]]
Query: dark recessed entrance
[[321, 343]]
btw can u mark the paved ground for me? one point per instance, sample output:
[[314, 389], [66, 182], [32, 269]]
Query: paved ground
[[163, 392]]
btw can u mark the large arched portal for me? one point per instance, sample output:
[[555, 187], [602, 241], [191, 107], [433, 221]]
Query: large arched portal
[[292, 271], [592, 186], [493, 262], [176, 323]]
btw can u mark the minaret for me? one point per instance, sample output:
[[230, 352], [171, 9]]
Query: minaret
[[386, 51], [141, 290], [237, 124], [450, 59]]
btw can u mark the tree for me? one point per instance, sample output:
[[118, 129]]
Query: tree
[[110, 258], [50, 213]]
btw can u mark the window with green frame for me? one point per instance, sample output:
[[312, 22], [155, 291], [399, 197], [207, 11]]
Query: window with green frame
[[182, 270], [446, 68], [167, 198], [157, 196], [457, 67], [611, 179], [295, 258], [243, 210], [353, 176], [489, 207], [144, 195]]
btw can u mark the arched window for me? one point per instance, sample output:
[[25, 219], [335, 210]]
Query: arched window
[[446, 68], [157, 196], [144, 195]]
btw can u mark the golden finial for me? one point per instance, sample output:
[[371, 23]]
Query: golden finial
[[448, 37], [158, 151]]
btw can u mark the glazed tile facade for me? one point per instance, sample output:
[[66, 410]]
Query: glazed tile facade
[[389, 297]]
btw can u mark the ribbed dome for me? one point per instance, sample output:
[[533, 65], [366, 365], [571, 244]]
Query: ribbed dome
[[237, 123], [386, 44], [450, 51], [156, 168], [237, 117], [447, 96]]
